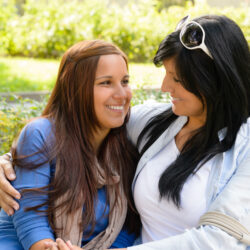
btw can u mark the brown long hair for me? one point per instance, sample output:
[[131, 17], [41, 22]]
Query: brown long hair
[[71, 111]]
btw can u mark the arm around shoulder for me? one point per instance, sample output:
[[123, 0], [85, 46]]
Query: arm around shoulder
[[140, 116]]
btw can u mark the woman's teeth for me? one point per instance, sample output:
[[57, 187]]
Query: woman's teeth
[[116, 107]]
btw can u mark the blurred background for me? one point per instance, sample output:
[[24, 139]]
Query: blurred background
[[45, 29], [35, 33]]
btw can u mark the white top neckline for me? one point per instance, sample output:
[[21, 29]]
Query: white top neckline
[[161, 218]]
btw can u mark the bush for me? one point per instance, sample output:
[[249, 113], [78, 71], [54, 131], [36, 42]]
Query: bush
[[8, 14], [15, 115], [48, 28]]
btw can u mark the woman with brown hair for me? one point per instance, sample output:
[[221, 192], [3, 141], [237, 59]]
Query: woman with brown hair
[[74, 164]]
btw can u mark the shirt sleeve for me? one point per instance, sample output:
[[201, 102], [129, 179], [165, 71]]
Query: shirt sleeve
[[124, 239], [140, 116], [32, 226]]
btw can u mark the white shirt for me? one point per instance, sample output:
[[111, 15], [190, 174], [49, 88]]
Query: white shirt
[[161, 218]]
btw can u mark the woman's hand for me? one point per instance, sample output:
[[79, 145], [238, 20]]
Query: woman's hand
[[45, 244], [49, 245], [61, 245], [7, 192]]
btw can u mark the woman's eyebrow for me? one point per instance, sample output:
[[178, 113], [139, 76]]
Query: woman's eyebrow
[[100, 77]]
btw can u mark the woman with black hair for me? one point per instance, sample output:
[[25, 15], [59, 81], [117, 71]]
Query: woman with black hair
[[195, 152]]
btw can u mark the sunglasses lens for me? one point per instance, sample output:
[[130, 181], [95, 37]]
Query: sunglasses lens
[[192, 35]]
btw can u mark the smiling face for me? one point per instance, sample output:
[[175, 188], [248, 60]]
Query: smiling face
[[112, 93], [183, 102]]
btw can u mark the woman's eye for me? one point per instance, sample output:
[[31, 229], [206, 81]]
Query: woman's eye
[[125, 81], [177, 80], [105, 83]]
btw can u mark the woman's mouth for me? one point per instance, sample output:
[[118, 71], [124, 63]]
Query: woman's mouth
[[116, 107], [174, 99]]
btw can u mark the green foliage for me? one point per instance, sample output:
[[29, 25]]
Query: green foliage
[[14, 115], [161, 4], [8, 14], [48, 28], [142, 95]]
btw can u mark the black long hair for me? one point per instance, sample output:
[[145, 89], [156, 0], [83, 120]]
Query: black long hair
[[221, 83]]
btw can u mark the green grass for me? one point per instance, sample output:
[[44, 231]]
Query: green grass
[[28, 74]]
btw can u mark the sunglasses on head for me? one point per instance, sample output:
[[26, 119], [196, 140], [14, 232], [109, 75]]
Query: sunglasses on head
[[192, 35]]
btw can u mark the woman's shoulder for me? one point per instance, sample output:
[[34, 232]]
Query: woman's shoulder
[[35, 135], [244, 131], [141, 115], [38, 125], [150, 108], [242, 143], [41, 123]]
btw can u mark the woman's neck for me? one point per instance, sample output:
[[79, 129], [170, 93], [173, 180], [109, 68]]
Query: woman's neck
[[187, 131], [98, 138], [195, 123]]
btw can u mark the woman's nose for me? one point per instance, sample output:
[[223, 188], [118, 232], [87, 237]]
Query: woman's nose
[[166, 86], [120, 91]]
